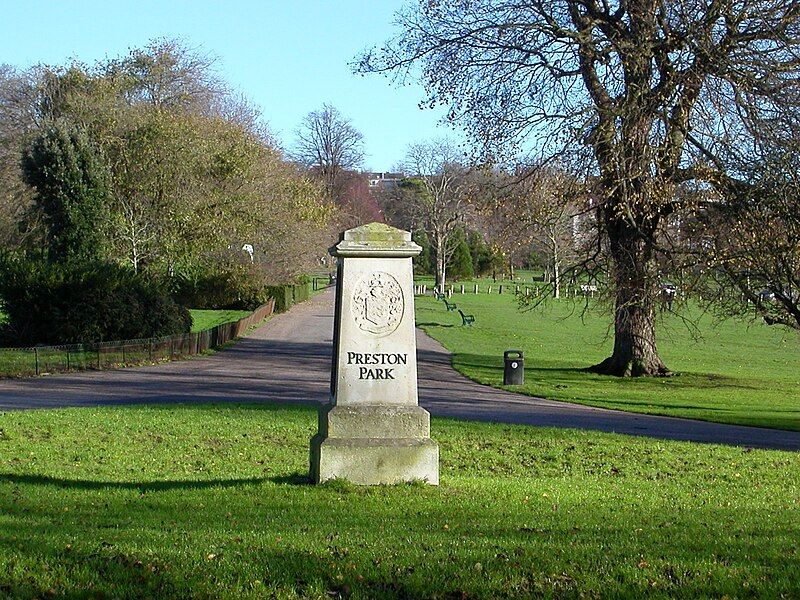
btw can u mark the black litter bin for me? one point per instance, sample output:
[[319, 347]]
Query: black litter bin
[[514, 371]]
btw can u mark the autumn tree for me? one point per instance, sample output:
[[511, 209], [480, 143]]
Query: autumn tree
[[356, 202], [193, 174], [747, 241], [532, 208], [648, 92], [19, 221]]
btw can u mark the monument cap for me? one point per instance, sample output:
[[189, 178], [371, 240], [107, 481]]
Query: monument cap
[[376, 240]]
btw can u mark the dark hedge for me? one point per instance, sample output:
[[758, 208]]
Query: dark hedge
[[49, 303]]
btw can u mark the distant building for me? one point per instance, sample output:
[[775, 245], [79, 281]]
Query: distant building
[[384, 180]]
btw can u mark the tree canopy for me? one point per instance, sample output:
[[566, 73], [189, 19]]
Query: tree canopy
[[189, 171], [648, 97]]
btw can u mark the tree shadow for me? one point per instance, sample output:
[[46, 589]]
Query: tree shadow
[[560, 374], [297, 478], [142, 486]]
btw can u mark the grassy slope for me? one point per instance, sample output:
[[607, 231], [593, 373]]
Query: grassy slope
[[206, 319], [210, 501], [735, 374]]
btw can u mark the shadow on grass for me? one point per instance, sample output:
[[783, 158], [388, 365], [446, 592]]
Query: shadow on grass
[[296, 479], [296, 546], [120, 570], [143, 486], [432, 324], [580, 375]]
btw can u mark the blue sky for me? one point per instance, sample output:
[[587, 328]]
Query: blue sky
[[288, 57]]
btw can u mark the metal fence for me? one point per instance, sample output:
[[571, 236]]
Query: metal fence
[[40, 360]]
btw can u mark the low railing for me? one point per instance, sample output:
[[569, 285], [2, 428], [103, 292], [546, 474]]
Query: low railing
[[40, 360]]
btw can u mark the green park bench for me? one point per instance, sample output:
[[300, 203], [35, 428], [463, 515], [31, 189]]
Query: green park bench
[[450, 305], [466, 319], [438, 295]]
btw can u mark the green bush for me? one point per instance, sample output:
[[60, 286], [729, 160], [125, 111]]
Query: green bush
[[58, 304], [288, 294], [283, 297], [460, 266], [424, 262], [232, 288], [301, 291]]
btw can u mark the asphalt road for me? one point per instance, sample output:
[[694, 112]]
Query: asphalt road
[[289, 360]]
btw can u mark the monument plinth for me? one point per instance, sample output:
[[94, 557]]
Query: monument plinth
[[373, 430]]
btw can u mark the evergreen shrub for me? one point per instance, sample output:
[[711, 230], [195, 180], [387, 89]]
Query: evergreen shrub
[[50, 303], [460, 266], [235, 288]]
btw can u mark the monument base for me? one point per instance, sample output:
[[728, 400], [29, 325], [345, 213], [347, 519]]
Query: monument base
[[369, 445]]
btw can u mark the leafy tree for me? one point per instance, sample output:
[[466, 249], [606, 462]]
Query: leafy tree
[[648, 94], [168, 74], [424, 262], [71, 182], [193, 173], [482, 259], [461, 260]]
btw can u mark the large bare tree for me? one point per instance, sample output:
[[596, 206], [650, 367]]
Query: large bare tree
[[328, 143], [650, 91], [438, 193]]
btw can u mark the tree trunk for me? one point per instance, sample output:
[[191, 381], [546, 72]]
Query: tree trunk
[[441, 263], [635, 352], [556, 268], [556, 277]]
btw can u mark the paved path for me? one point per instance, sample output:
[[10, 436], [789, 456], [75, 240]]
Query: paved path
[[288, 360]]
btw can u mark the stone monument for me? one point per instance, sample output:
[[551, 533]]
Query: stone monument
[[373, 430]]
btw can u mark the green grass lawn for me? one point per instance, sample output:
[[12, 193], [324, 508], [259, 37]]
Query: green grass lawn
[[736, 373], [212, 502], [206, 319]]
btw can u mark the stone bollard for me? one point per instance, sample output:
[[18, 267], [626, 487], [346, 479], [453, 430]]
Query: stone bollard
[[517, 290], [500, 291], [476, 288], [373, 430], [489, 290], [462, 288]]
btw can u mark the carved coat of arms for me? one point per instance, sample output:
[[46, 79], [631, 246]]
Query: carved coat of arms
[[378, 303]]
